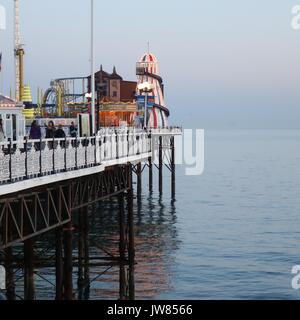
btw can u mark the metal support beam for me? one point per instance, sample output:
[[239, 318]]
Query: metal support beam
[[131, 245]]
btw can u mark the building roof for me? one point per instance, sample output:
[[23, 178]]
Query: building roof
[[105, 75], [115, 75], [6, 102]]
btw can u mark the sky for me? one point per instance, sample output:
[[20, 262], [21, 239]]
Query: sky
[[225, 64]]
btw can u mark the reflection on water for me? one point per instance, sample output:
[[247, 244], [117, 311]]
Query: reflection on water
[[155, 239], [156, 242]]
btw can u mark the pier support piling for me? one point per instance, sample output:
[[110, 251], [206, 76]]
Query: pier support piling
[[83, 280], [58, 265], [28, 270], [9, 280], [160, 159], [131, 245], [139, 181], [122, 247], [173, 168], [150, 174], [68, 262], [80, 279], [86, 252]]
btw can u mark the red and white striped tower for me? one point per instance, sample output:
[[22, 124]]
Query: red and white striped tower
[[148, 71]]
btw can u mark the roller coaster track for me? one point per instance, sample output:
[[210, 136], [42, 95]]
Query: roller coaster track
[[61, 89]]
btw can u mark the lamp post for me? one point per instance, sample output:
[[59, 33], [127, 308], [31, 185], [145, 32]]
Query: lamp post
[[92, 69], [101, 92], [146, 88], [98, 109]]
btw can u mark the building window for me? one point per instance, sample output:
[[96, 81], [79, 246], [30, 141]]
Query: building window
[[115, 94]]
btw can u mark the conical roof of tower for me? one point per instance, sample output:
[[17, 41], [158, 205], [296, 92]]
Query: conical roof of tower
[[148, 57]]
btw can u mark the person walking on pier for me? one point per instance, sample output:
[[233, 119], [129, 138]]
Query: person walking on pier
[[35, 134], [73, 130], [50, 132], [60, 134]]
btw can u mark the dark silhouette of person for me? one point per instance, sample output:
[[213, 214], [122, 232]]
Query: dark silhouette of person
[[50, 132], [35, 134], [73, 130], [60, 134]]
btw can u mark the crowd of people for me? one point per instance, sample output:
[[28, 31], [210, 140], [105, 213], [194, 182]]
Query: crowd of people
[[51, 131]]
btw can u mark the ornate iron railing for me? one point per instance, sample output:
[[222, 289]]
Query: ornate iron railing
[[27, 159]]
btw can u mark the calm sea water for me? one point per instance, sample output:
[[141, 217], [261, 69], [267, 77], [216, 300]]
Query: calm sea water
[[233, 233], [238, 225]]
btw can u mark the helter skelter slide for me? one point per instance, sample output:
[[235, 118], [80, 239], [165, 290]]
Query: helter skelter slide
[[148, 71]]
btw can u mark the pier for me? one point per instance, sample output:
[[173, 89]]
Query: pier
[[47, 187]]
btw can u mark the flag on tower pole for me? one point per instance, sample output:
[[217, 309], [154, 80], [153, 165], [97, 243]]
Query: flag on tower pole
[[0, 61]]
